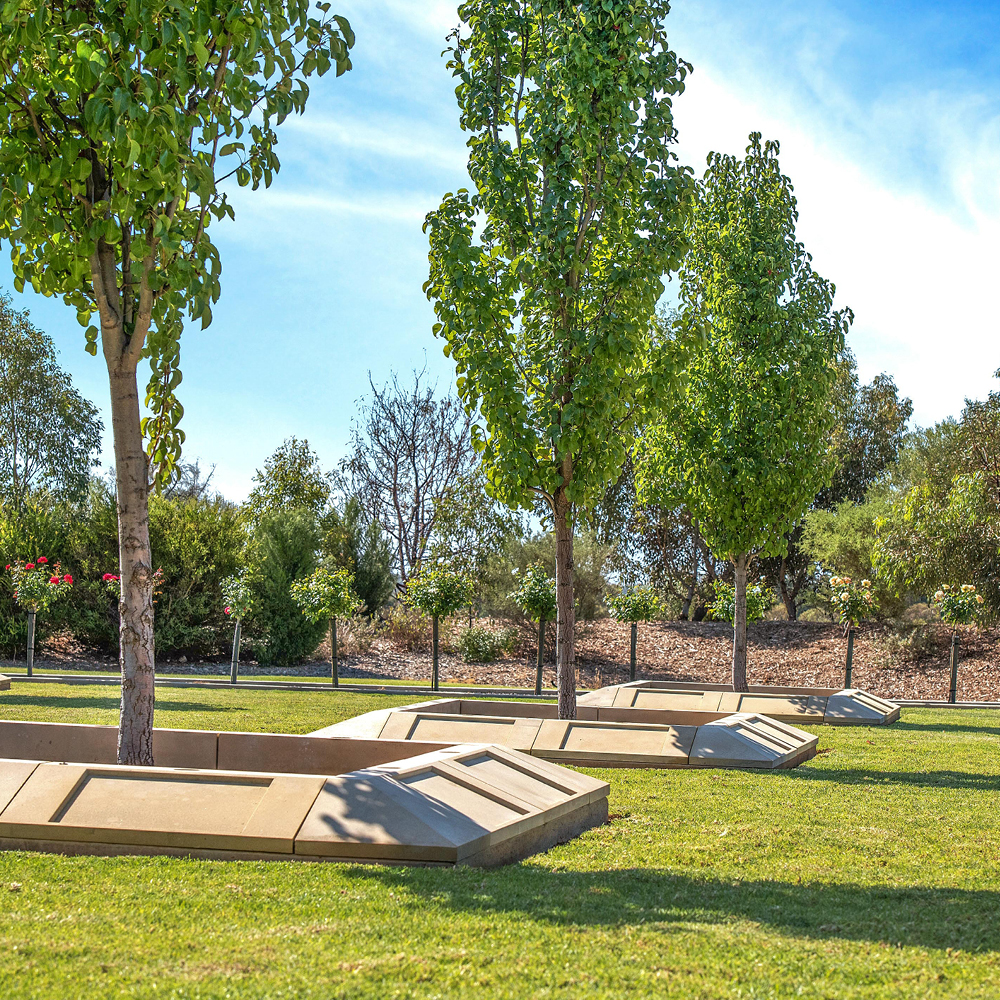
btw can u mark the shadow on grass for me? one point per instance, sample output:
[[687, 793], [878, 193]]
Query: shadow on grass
[[971, 780], [947, 727], [90, 702], [924, 917]]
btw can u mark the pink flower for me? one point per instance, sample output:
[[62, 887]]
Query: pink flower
[[42, 560], [67, 578], [226, 610], [54, 579], [7, 566], [108, 577], [29, 565]]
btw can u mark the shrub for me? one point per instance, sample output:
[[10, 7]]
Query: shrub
[[959, 605], [359, 632], [536, 593], [481, 645], [851, 602], [405, 628], [282, 550]]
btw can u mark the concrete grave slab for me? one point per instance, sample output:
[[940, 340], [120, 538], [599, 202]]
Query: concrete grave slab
[[398, 802], [4, 682], [619, 736], [786, 704]]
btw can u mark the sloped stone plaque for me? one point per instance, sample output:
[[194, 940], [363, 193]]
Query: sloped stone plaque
[[794, 705], [611, 737], [4, 682], [466, 804]]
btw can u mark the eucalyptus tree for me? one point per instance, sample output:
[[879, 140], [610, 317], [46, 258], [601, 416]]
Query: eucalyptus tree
[[743, 438], [122, 120], [545, 277], [49, 434]]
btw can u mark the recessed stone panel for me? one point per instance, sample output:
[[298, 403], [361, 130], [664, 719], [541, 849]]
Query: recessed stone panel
[[518, 734]]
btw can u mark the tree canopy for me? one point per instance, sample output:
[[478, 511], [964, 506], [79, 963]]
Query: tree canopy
[[544, 279], [743, 438], [49, 434]]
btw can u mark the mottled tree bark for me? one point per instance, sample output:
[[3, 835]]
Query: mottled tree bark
[[565, 612], [740, 625], [135, 731]]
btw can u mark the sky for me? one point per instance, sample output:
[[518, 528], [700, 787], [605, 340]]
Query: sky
[[888, 117]]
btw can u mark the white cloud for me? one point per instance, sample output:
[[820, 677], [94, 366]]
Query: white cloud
[[918, 271]]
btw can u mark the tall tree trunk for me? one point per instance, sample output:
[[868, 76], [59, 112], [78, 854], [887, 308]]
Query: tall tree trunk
[[135, 730], [565, 614], [787, 596], [740, 625]]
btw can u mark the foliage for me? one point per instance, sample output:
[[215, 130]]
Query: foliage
[[291, 478], [438, 591], [121, 120], [36, 585], [852, 602], [410, 451], [282, 550], [941, 519], [579, 203], [49, 434], [325, 594], [742, 442], [482, 645], [759, 601], [636, 604], [536, 593], [959, 605], [405, 628], [356, 542], [236, 597]]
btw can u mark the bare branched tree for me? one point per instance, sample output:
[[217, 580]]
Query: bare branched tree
[[409, 449]]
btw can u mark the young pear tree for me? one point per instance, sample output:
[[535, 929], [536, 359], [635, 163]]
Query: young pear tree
[[544, 279], [637, 604], [536, 597], [326, 595], [122, 120], [743, 437], [438, 592]]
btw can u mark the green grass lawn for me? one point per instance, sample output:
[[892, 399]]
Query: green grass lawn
[[871, 871]]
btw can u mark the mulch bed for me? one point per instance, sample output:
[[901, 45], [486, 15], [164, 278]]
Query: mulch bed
[[808, 654]]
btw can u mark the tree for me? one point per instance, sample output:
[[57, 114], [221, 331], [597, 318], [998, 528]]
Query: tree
[[324, 596], [410, 450], [536, 597], [356, 543], [438, 592], [940, 519], [282, 550], [49, 434], [744, 437], [637, 604], [869, 429], [291, 478], [545, 278], [122, 120]]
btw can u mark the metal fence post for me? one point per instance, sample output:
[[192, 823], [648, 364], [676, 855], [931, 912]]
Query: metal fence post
[[953, 690]]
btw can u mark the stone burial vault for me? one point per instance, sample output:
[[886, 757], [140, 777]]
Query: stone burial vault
[[598, 737], [275, 797], [829, 706]]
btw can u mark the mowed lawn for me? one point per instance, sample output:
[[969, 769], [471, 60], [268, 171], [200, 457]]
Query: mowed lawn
[[871, 871]]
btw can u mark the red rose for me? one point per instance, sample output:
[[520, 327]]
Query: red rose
[[54, 579], [29, 565], [7, 566], [42, 560], [107, 577], [67, 578], [226, 610]]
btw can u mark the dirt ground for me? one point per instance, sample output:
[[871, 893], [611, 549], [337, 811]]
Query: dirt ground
[[779, 652]]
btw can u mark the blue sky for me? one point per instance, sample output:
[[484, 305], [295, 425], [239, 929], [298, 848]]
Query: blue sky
[[889, 120]]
